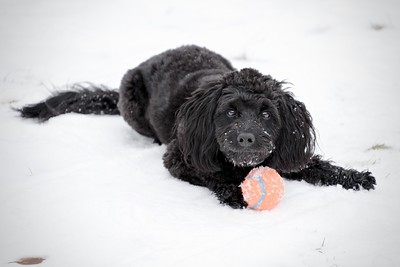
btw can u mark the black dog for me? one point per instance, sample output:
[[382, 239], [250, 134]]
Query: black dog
[[218, 122]]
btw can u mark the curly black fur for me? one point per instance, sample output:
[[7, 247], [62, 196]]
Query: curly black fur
[[87, 99], [218, 122]]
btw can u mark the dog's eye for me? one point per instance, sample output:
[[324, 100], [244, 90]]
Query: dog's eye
[[231, 113], [266, 114]]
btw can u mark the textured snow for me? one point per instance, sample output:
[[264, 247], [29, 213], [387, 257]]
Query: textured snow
[[88, 191]]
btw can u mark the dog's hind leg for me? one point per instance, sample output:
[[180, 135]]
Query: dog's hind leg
[[133, 103]]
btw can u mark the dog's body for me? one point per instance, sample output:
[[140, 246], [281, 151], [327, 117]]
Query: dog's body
[[218, 123], [152, 92]]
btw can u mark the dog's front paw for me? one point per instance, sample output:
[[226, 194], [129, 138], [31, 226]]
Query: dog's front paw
[[367, 181], [357, 180], [231, 195]]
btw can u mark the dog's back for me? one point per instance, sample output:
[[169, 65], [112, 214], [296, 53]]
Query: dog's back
[[149, 94]]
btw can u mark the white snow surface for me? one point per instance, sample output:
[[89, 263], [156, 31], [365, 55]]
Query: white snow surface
[[86, 190]]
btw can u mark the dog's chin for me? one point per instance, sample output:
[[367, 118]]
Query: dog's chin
[[246, 159]]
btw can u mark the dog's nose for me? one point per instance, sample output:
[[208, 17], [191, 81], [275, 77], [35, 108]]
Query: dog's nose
[[246, 139]]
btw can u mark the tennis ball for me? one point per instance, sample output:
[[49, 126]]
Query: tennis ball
[[262, 188]]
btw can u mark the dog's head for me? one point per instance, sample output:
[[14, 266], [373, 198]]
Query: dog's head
[[248, 119]]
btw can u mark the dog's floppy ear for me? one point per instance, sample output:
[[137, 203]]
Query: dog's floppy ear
[[296, 141], [195, 127]]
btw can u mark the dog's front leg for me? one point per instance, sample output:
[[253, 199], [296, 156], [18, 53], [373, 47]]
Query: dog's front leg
[[323, 172], [226, 187], [224, 184], [230, 195]]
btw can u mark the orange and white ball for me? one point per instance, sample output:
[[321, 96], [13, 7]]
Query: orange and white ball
[[262, 188]]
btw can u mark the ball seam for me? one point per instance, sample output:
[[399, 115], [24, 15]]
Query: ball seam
[[263, 190]]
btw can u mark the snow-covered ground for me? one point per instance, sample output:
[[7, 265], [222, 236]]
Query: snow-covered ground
[[88, 191]]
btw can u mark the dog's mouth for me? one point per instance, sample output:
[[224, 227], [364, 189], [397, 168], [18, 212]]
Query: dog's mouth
[[245, 154], [247, 158]]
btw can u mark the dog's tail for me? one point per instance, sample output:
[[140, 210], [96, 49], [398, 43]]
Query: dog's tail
[[90, 99]]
